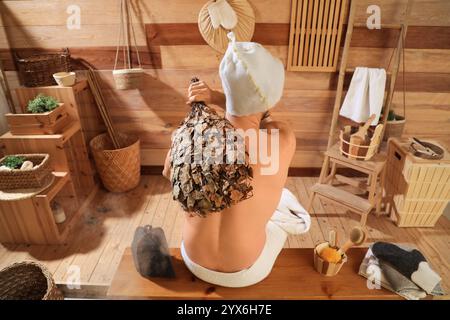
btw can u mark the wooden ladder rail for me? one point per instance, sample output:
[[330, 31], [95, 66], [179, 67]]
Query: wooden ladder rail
[[340, 87], [343, 68], [342, 71], [324, 177]]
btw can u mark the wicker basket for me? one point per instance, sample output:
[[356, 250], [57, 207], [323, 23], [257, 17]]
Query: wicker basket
[[38, 69], [28, 281], [126, 79], [394, 129], [24, 179], [119, 169]]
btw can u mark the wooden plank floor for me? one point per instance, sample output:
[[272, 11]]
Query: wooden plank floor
[[93, 251]]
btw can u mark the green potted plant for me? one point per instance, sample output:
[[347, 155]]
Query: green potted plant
[[12, 162], [44, 115], [42, 104]]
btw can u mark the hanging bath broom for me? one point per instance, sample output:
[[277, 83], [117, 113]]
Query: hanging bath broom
[[128, 77]]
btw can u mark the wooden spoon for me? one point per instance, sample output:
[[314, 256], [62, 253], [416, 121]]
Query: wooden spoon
[[357, 237], [357, 138]]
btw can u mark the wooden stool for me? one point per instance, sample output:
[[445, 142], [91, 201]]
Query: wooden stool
[[374, 169], [292, 277]]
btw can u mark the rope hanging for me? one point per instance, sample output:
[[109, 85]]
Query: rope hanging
[[126, 29], [403, 35]]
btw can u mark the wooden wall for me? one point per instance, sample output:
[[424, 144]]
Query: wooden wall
[[173, 51]]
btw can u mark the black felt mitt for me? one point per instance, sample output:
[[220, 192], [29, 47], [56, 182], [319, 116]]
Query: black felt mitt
[[151, 253]]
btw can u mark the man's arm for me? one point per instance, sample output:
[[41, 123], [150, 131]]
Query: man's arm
[[200, 91]]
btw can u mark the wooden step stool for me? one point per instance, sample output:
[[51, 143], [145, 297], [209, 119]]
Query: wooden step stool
[[374, 169], [292, 277]]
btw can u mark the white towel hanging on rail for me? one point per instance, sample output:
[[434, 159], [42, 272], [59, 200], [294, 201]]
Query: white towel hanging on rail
[[365, 95]]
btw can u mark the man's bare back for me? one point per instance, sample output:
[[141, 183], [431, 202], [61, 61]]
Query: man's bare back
[[233, 239]]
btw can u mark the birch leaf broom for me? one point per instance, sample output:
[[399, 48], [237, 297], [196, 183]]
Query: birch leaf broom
[[204, 177]]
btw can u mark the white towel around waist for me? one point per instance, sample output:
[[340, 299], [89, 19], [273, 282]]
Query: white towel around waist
[[289, 218]]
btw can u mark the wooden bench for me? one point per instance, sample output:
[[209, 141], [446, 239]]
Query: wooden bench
[[293, 277]]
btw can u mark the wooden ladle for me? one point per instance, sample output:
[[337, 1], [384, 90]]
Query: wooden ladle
[[357, 237], [332, 238]]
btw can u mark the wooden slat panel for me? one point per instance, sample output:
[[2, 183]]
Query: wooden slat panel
[[418, 37], [273, 34], [316, 18], [416, 81], [173, 34], [30, 13], [50, 36], [202, 56], [293, 33], [188, 34]]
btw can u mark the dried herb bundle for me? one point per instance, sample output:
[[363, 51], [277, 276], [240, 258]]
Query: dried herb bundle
[[208, 185]]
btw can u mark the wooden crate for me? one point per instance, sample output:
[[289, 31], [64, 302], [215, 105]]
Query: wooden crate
[[417, 189], [31, 221], [68, 153], [38, 123]]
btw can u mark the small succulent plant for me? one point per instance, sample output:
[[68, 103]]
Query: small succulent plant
[[13, 162], [42, 103], [391, 115]]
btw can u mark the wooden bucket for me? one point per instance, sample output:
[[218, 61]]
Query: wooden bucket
[[366, 150], [324, 267]]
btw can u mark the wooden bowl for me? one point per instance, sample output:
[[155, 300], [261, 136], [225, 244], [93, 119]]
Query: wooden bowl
[[324, 267], [65, 79]]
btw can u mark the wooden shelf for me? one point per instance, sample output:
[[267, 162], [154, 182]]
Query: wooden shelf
[[80, 104], [63, 94], [67, 151], [67, 133], [31, 221], [77, 87], [60, 180]]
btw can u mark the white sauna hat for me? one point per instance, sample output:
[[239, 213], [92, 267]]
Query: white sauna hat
[[252, 79]]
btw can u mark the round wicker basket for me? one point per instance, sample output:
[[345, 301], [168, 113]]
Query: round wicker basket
[[28, 280], [126, 79], [29, 178], [394, 129], [119, 169]]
